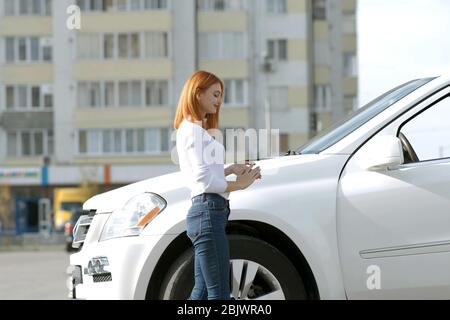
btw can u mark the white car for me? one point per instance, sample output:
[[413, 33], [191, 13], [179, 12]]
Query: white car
[[360, 212]]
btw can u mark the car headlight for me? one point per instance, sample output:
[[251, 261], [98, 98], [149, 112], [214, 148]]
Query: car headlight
[[132, 218]]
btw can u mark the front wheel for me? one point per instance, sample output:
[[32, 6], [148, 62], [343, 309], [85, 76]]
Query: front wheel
[[258, 271]]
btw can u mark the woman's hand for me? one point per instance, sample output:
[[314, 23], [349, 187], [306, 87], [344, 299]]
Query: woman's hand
[[249, 176], [245, 177], [238, 169]]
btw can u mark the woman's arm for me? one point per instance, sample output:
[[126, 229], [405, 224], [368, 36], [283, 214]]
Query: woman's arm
[[228, 170], [233, 186], [244, 180], [238, 169]]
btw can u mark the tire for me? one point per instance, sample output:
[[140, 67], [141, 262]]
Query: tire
[[268, 273]]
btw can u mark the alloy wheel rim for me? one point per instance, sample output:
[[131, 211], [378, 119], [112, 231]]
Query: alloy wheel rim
[[252, 281]]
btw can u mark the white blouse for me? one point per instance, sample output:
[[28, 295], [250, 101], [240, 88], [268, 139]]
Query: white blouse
[[201, 160]]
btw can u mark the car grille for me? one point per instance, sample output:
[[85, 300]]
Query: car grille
[[104, 277]]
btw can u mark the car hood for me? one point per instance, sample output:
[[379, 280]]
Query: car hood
[[172, 188]]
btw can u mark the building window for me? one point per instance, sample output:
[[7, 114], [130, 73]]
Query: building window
[[350, 64], [107, 141], [123, 141], [130, 93], [48, 7], [349, 22], [22, 49], [47, 51], [277, 49], [319, 9], [50, 143], [156, 93], [48, 100], [27, 7], [28, 49], [134, 5], [108, 46], [129, 46], [135, 93], [94, 94], [322, 97], [35, 97], [235, 93], [10, 98], [12, 144], [10, 7], [222, 45], [156, 45], [24, 7], [93, 141], [155, 4], [108, 5], [26, 143], [36, 7], [89, 94], [221, 5], [278, 98], [88, 46], [153, 140], [121, 5], [109, 97], [122, 45], [117, 141], [82, 141], [10, 50], [276, 6], [23, 97], [34, 44], [350, 103]]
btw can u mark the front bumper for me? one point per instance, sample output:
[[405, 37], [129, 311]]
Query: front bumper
[[118, 269]]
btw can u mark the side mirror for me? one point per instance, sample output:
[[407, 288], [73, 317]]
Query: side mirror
[[381, 153]]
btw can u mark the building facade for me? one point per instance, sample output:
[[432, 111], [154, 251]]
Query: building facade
[[96, 104]]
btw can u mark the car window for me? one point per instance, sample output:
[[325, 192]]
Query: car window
[[429, 132], [360, 116]]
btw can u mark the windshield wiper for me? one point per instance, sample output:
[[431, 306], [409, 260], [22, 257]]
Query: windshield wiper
[[292, 153]]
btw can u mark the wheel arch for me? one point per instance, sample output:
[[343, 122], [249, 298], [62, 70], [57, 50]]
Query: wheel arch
[[256, 229]]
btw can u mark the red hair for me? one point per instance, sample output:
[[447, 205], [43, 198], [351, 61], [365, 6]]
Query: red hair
[[188, 104]]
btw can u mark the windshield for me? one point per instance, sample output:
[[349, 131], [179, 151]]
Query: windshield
[[358, 117]]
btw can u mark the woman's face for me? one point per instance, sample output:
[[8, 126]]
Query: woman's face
[[211, 99]]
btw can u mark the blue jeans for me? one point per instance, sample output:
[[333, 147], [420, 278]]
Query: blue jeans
[[206, 222]]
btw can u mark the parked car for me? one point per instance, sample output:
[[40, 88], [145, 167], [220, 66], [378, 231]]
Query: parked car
[[69, 226], [360, 212]]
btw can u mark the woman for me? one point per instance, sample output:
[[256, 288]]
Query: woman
[[201, 161]]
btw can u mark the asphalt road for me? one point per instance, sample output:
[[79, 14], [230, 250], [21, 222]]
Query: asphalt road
[[35, 275]]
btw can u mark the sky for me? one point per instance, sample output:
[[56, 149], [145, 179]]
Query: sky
[[400, 40]]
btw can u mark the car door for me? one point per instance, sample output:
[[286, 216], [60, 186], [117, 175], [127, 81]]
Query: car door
[[394, 224]]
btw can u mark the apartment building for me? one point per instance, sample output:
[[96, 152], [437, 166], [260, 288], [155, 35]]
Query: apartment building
[[96, 104]]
